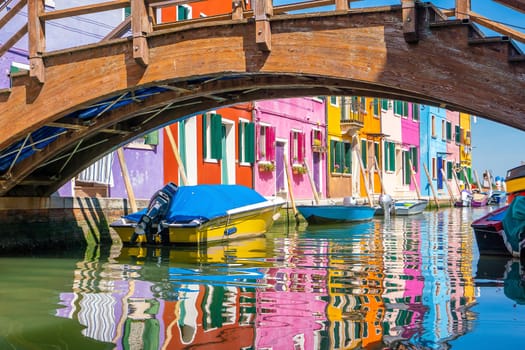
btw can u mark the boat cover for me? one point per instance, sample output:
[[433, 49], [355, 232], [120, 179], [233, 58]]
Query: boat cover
[[205, 202], [514, 225]]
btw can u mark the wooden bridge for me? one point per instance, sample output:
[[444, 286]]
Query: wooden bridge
[[73, 106]]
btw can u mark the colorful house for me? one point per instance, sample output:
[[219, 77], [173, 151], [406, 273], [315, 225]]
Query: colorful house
[[433, 149], [453, 134], [345, 117], [290, 133], [465, 148], [410, 146], [391, 114]]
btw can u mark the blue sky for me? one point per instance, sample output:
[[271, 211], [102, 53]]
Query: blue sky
[[496, 147]]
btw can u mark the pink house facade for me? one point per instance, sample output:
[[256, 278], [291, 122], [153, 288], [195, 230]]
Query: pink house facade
[[290, 132], [410, 147]]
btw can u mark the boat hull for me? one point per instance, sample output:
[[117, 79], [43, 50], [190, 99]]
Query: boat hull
[[409, 207], [515, 180], [325, 214], [241, 224], [489, 234]]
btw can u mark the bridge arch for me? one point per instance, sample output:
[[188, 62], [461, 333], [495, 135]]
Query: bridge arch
[[204, 66]]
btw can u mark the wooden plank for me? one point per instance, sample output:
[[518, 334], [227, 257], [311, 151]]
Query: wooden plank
[[290, 190], [13, 40], [449, 189], [498, 27], [311, 180], [409, 21], [37, 41], [263, 32], [518, 5], [431, 185], [120, 30], [175, 149], [413, 175], [168, 3], [12, 12], [462, 9], [84, 10], [363, 173], [140, 27], [127, 181]]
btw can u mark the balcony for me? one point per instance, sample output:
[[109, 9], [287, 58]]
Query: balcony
[[352, 123]]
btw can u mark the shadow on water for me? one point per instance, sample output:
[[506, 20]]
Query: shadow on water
[[402, 283]]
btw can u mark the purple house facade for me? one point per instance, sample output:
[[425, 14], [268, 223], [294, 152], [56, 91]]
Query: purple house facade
[[290, 132]]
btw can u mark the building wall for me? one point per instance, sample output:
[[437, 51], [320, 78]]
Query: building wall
[[284, 116], [453, 153], [466, 146], [391, 127], [410, 139]]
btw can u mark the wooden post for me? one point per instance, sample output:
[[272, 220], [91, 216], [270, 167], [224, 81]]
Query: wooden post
[[469, 186], [238, 8], [290, 191], [462, 9], [37, 41], [341, 5], [380, 175], [140, 27], [413, 175], [450, 194], [312, 184], [363, 173], [127, 182], [457, 182], [409, 21], [263, 11], [480, 185], [175, 149], [431, 185]]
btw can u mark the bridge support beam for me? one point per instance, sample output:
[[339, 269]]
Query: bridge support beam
[[341, 5], [238, 7], [462, 9], [36, 39], [140, 27], [409, 21], [263, 12]]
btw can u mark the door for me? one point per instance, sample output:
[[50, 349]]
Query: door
[[317, 171], [279, 167], [439, 173]]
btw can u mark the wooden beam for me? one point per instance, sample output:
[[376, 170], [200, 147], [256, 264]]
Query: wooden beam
[[12, 13], [409, 21], [84, 10], [140, 27], [238, 9], [341, 5], [263, 32], [13, 40], [462, 9], [119, 30], [127, 181], [167, 3], [36, 29], [498, 27], [518, 5]]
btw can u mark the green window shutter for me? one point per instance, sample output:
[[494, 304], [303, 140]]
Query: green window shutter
[[449, 131], [182, 12], [384, 104], [386, 153], [216, 136], [333, 100], [449, 170], [458, 134], [392, 153], [415, 111], [405, 109], [348, 157], [127, 12], [240, 146], [332, 155], [249, 138], [376, 106], [152, 138], [406, 157], [340, 156], [14, 69], [182, 141], [414, 157], [204, 136], [364, 152]]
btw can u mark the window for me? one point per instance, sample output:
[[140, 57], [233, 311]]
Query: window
[[406, 168], [390, 156], [375, 107], [354, 104], [246, 141], [434, 168], [333, 101], [317, 140], [401, 109], [266, 149], [384, 104], [414, 158], [340, 157], [415, 112], [449, 131], [183, 12], [376, 154], [433, 125], [457, 135], [443, 130], [212, 136], [297, 146]]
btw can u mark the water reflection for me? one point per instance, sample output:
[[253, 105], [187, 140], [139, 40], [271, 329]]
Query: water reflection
[[403, 282]]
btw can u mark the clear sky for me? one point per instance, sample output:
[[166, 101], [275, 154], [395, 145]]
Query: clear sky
[[496, 147]]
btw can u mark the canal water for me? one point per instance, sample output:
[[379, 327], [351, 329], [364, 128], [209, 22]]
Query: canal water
[[401, 283]]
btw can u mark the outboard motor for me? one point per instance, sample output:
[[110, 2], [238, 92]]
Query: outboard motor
[[157, 209], [387, 203], [466, 198], [349, 201]]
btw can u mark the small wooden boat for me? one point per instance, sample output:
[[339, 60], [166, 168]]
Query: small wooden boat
[[336, 213], [199, 214], [489, 233], [480, 199], [410, 207]]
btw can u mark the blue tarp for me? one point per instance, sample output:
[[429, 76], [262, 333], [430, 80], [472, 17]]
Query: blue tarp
[[514, 225], [205, 202]]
